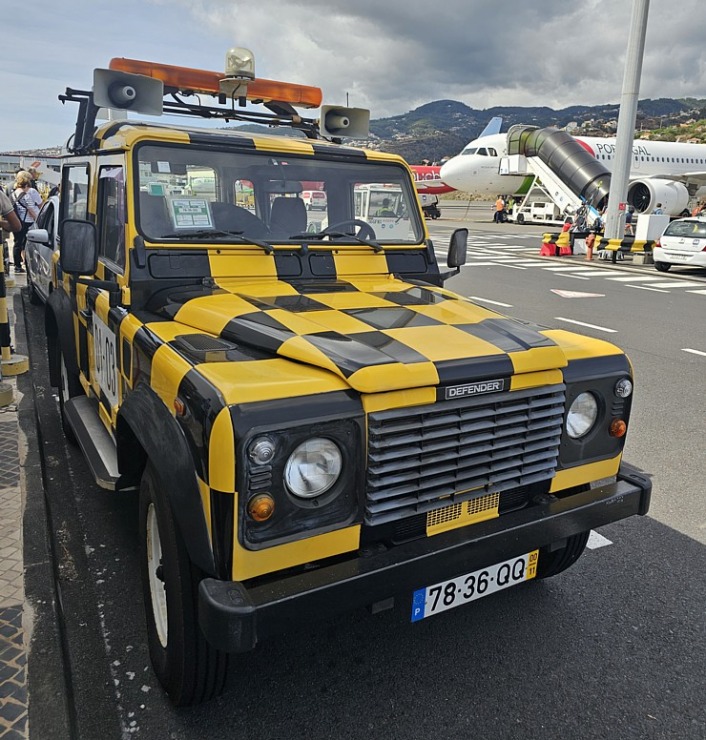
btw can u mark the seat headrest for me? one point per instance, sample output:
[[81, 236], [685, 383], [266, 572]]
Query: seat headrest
[[229, 217], [154, 219], [288, 215]]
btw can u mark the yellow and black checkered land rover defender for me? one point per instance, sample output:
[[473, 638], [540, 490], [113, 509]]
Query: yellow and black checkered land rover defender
[[314, 424]]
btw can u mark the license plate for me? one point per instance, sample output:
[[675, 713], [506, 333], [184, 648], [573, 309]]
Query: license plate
[[458, 591]]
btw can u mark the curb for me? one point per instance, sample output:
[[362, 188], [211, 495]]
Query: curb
[[48, 683]]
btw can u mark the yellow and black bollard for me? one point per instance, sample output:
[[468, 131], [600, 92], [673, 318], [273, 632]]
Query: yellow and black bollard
[[11, 363]]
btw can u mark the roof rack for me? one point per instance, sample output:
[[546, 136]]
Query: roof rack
[[155, 89]]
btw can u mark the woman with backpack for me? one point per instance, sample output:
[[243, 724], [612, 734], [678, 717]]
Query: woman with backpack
[[26, 211]]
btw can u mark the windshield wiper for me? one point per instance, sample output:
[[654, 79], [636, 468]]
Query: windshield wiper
[[209, 233], [375, 246]]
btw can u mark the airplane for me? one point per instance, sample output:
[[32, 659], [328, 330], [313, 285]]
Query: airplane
[[663, 172], [427, 178]]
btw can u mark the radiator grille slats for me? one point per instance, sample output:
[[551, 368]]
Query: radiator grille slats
[[431, 456]]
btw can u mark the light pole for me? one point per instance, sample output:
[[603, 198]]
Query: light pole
[[615, 215]]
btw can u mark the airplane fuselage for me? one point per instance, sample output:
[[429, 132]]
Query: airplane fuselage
[[477, 168]]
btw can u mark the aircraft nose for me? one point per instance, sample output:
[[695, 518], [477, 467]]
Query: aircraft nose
[[451, 173]]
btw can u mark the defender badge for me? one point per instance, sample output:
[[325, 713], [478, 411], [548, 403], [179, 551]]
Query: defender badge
[[474, 389]]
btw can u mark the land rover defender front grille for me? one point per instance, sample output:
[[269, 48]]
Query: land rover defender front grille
[[426, 457]]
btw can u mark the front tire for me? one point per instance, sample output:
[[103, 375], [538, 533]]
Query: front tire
[[555, 560], [662, 266], [188, 667]]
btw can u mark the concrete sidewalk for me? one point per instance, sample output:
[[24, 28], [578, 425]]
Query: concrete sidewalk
[[33, 685]]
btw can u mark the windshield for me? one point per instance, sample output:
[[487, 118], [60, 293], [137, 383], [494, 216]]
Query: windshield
[[193, 194], [693, 229]]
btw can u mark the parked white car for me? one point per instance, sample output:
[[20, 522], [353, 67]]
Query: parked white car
[[39, 251], [314, 199], [682, 243]]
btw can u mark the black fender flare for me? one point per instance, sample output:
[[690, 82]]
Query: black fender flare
[[59, 331], [164, 443]]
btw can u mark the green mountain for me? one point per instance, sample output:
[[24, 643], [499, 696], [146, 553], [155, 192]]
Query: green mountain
[[442, 128]]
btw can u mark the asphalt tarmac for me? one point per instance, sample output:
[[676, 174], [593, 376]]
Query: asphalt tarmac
[[613, 648]]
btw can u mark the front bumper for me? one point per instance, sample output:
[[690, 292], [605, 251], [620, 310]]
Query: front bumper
[[234, 618]]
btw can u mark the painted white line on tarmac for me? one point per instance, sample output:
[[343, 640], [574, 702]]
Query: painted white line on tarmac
[[592, 271], [694, 351], [647, 287], [499, 257], [590, 326], [576, 277], [634, 279], [565, 268], [596, 540], [676, 284], [698, 292], [492, 303]]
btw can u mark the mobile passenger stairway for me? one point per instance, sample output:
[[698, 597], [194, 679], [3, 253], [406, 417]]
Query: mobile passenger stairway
[[565, 172]]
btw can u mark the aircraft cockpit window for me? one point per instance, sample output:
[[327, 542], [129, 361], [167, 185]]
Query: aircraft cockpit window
[[483, 152], [469, 151], [492, 152]]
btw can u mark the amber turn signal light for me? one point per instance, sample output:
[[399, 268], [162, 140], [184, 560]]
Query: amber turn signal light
[[261, 507], [618, 428]]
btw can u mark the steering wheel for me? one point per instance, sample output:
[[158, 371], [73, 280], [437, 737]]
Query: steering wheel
[[365, 230]]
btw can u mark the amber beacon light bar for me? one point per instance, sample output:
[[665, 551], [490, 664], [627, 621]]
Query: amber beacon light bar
[[187, 80]]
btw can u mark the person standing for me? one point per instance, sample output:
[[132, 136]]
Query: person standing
[[498, 216], [34, 188], [628, 220], [9, 222], [27, 212], [658, 211]]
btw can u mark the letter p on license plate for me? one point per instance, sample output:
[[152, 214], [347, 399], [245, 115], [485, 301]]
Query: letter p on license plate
[[458, 591]]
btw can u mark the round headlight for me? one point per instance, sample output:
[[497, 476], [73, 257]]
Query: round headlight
[[623, 388], [313, 467], [582, 415]]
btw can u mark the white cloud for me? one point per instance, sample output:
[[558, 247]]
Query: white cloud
[[390, 57]]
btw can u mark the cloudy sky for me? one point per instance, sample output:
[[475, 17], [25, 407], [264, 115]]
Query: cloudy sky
[[388, 56]]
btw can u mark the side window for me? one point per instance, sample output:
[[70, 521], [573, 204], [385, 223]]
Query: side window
[[111, 210], [46, 218], [74, 192]]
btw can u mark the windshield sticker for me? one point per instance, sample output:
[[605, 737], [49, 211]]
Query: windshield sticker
[[190, 213]]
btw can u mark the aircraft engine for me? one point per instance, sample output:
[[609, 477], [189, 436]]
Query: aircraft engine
[[645, 194]]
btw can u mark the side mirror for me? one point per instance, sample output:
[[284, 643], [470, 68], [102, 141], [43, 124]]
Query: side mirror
[[38, 236], [457, 253], [457, 248], [79, 250]]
